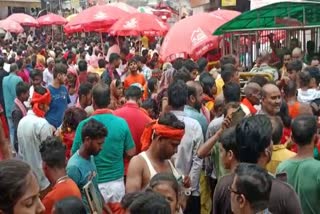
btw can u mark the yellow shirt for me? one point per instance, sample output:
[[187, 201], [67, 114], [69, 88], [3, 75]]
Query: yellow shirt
[[99, 71], [280, 153], [219, 85]]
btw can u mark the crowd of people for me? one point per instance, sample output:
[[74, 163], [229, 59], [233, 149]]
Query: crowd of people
[[96, 128]]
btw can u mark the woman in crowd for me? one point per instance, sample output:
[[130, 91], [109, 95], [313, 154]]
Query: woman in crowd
[[117, 95]]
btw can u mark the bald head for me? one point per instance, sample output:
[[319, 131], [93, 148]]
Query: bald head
[[268, 89], [271, 99], [252, 87], [297, 54], [194, 84]]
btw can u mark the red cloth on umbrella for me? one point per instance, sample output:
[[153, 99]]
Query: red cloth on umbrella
[[139, 24], [97, 18], [51, 19], [192, 37], [11, 26], [23, 19]]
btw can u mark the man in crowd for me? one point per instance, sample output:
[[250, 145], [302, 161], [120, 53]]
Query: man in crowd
[[252, 93], [164, 138], [194, 104], [186, 160], [254, 144], [134, 75], [53, 155], [81, 168], [84, 95], [83, 71], [59, 95], [136, 118], [111, 72], [32, 130], [9, 84], [19, 109], [48, 72], [303, 171], [109, 161], [228, 59], [250, 190], [3, 74], [270, 100]]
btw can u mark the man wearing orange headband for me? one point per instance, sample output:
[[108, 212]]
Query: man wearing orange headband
[[165, 136], [32, 130]]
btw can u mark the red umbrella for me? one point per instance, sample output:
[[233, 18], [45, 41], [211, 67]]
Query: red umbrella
[[139, 24], [191, 36], [51, 19], [97, 18], [11, 26], [226, 15], [125, 7], [23, 19]]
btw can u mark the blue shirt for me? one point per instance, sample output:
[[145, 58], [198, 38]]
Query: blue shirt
[[81, 171], [59, 103], [9, 84], [194, 114]]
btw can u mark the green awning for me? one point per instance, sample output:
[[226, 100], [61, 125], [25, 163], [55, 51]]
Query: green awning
[[282, 15]]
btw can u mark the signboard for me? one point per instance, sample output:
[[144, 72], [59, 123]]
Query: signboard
[[261, 3], [197, 3], [228, 3]]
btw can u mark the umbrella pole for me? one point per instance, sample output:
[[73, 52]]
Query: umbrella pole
[[103, 51]]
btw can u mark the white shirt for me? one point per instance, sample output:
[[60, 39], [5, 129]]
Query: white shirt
[[32, 130], [47, 77]]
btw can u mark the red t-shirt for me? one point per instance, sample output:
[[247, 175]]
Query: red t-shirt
[[131, 79], [65, 188], [137, 120]]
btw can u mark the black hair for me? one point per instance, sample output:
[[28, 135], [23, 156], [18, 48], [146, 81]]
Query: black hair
[[304, 127], [178, 63], [101, 95], [255, 184], [92, 78], [277, 129], [13, 183], [102, 63], [21, 88], [35, 73], [259, 79], [182, 74], [133, 92], [229, 142], [72, 117], [152, 83], [84, 89], [231, 92], [190, 65], [314, 73], [147, 202], [2, 61], [144, 53], [13, 67], [83, 66], [227, 72], [202, 63], [228, 59], [207, 82], [59, 68], [192, 91], [290, 89], [169, 119], [165, 177], [304, 79], [295, 65], [19, 63], [253, 137], [113, 57], [69, 205], [94, 130], [177, 94], [53, 152], [284, 114]]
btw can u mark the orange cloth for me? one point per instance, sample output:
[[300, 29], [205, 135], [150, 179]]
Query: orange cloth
[[247, 103], [294, 110], [159, 130], [40, 99], [131, 79], [65, 188]]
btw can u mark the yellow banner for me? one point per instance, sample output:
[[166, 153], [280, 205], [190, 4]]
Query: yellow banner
[[228, 3]]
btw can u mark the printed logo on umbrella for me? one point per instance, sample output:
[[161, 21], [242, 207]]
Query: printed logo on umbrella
[[162, 25], [198, 36], [130, 24], [100, 15]]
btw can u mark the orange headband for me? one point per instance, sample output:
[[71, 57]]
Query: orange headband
[[159, 130]]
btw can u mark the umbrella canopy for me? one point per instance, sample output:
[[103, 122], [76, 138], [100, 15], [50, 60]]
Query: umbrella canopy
[[139, 24], [191, 36], [23, 19], [226, 15], [11, 26], [125, 7], [51, 19], [69, 18], [97, 18]]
